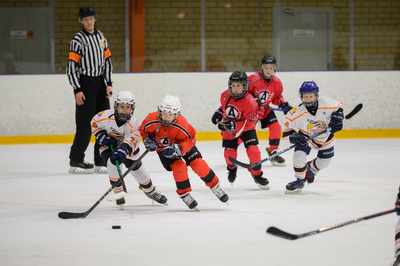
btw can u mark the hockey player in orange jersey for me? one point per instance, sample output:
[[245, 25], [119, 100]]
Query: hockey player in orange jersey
[[169, 133], [119, 128]]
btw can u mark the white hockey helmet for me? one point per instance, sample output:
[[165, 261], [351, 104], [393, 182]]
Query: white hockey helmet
[[127, 98], [169, 104]]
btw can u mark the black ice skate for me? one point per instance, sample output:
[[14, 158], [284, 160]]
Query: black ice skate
[[276, 161], [80, 168], [221, 195], [232, 175], [261, 181], [189, 201], [157, 196], [295, 186], [120, 202]]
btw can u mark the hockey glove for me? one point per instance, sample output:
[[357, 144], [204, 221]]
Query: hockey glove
[[217, 116], [172, 151], [285, 105], [230, 125], [119, 155], [150, 143], [397, 204], [336, 121], [298, 139], [106, 141]]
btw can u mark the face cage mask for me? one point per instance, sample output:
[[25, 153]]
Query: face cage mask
[[164, 123], [238, 95], [123, 118], [262, 72], [309, 104]]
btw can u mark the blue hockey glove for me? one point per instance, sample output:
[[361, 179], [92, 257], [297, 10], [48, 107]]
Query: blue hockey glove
[[150, 143], [172, 151], [106, 141], [285, 105], [227, 125], [336, 121], [217, 116], [119, 155], [298, 139]]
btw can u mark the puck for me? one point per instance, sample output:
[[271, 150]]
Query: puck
[[116, 227]]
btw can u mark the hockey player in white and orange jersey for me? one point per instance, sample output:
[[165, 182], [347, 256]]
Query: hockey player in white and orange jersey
[[314, 115], [170, 134], [119, 128]]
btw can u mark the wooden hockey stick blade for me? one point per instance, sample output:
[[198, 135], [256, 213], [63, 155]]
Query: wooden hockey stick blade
[[354, 111], [282, 234], [116, 196], [73, 215]]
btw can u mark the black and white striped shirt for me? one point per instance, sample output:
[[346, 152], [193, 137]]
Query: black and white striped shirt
[[89, 55]]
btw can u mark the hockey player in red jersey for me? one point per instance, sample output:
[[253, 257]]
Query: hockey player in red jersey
[[267, 89], [119, 128], [169, 133], [239, 110]]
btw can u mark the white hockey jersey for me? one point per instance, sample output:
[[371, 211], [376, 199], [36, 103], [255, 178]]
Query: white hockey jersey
[[300, 120], [128, 133]]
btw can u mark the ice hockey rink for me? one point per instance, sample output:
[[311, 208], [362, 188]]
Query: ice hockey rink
[[363, 179]]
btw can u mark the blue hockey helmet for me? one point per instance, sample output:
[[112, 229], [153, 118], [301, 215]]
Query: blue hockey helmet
[[309, 87]]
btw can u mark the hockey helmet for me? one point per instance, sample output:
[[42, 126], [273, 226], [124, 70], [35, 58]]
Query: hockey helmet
[[125, 97], [241, 77], [169, 104], [86, 11], [268, 60], [309, 87]]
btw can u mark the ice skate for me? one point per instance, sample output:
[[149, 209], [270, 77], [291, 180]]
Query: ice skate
[[221, 195], [121, 202], [189, 201], [80, 168], [100, 169], [295, 186], [311, 173], [276, 161], [232, 175], [261, 181], [157, 196]]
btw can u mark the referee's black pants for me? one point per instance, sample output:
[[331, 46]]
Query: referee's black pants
[[94, 89]]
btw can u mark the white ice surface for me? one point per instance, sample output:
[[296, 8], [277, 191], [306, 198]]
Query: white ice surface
[[363, 179]]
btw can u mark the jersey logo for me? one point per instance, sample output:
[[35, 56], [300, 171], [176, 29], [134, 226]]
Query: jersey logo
[[264, 96], [294, 109], [164, 141], [157, 128], [232, 112], [103, 43], [94, 125], [316, 126]]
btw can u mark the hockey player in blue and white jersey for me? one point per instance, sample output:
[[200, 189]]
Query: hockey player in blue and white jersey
[[315, 114], [120, 129]]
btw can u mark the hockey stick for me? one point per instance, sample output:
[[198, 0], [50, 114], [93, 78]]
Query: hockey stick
[[252, 165], [124, 191], [74, 215], [274, 109], [245, 165], [279, 233], [231, 132]]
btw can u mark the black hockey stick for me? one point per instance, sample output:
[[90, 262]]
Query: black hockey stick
[[246, 165], [252, 165], [74, 215], [231, 132], [279, 233]]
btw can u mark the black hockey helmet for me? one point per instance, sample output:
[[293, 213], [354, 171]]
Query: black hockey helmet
[[241, 77], [268, 60], [86, 11]]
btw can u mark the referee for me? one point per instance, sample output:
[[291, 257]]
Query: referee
[[89, 72]]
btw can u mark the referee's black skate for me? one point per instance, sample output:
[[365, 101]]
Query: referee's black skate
[[232, 173], [261, 181], [277, 160], [295, 186], [80, 168]]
